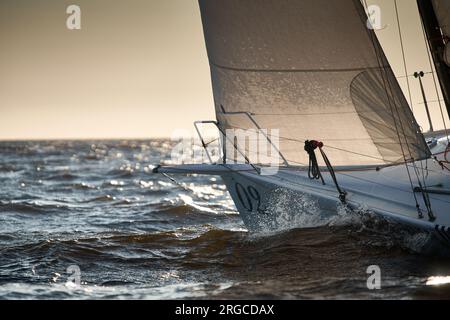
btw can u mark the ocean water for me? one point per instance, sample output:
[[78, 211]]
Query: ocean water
[[93, 212]]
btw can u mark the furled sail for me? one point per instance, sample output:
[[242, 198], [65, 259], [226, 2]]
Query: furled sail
[[312, 70], [442, 10]]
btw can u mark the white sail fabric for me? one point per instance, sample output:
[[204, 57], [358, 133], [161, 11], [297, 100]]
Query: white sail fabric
[[312, 70]]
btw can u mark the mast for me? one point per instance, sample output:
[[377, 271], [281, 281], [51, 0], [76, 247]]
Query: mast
[[437, 47]]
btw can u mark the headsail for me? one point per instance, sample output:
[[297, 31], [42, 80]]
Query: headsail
[[313, 70]]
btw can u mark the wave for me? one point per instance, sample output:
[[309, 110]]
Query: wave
[[31, 207], [83, 186], [61, 176], [10, 168], [120, 173], [102, 198], [151, 232]]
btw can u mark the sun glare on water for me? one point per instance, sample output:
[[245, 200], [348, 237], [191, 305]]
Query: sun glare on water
[[437, 281]]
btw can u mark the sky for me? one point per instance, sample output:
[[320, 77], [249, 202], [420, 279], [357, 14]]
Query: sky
[[137, 68]]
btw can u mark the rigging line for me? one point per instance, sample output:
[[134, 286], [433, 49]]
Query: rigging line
[[430, 101], [331, 147], [348, 151], [373, 167], [425, 196], [423, 172], [403, 53], [342, 194], [396, 108], [376, 48], [406, 72], [175, 182], [441, 163], [428, 49]]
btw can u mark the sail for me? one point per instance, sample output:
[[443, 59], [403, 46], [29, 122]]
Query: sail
[[312, 70], [442, 10]]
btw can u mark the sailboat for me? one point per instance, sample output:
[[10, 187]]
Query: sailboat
[[311, 76]]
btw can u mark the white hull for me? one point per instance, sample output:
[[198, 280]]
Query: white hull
[[395, 202], [385, 192]]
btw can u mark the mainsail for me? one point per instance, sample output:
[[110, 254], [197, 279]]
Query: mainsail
[[313, 70], [442, 10]]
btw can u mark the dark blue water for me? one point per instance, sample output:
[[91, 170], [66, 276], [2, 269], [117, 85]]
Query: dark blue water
[[96, 207]]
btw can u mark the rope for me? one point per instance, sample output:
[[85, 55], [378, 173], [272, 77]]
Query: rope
[[445, 162], [314, 170], [424, 191], [313, 167], [342, 194], [443, 165], [179, 184], [403, 54]]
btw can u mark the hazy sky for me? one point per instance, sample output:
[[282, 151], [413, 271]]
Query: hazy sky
[[137, 68]]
